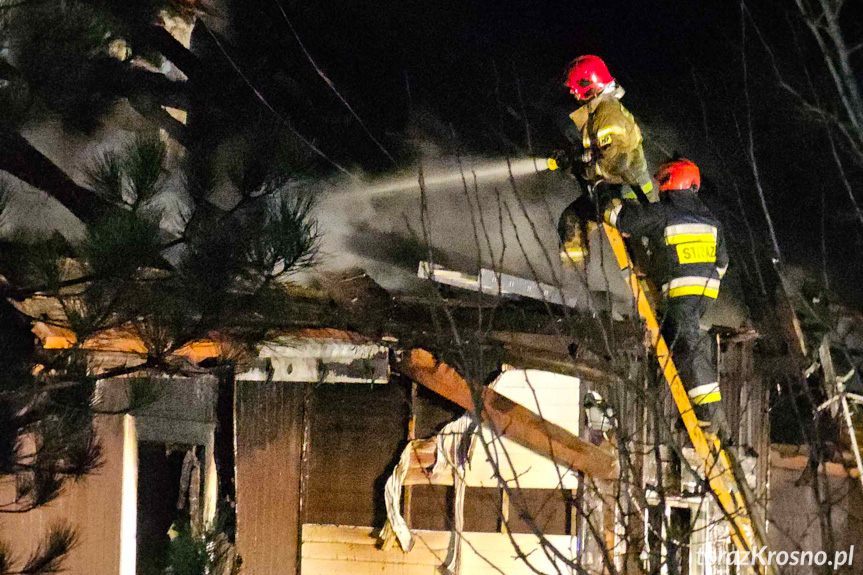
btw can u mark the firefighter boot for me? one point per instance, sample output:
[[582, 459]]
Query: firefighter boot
[[576, 249], [574, 228]]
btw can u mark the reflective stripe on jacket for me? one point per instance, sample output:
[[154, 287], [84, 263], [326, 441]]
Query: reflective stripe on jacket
[[692, 258], [614, 140]]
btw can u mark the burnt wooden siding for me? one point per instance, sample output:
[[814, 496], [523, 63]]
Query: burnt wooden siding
[[357, 434], [797, 522], [92, 506], [746, 400], [269, 427]]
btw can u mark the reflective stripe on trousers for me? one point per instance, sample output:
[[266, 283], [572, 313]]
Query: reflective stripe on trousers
[[704, 394], [692, 285]]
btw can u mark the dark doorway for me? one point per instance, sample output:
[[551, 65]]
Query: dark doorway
[[680, 530], [159, 473]]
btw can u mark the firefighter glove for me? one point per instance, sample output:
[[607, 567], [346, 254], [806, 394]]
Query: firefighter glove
[[612, 210], [560, 160]]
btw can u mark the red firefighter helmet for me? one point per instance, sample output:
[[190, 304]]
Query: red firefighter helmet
[[678, 174], [587, 76]]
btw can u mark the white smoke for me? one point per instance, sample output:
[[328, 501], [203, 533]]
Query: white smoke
[[481, 212]]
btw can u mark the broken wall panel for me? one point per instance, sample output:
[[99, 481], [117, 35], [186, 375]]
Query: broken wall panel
[[746, 399], [357, 434], [482, 509], [433, 412], [545, 508], [555, 398], [431, 507], [269, 427], [518, 422], [744, 396], [327, 360]]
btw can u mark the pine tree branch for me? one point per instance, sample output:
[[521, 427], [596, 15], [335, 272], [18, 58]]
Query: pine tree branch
[[159, 39], [25, 162], [134, 81], [150, 109], [48, 556]]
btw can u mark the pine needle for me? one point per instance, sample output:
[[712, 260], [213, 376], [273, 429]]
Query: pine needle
[[52, 550]]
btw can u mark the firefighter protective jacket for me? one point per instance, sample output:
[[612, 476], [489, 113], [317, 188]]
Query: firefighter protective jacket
[[612, 140], [692, 258]]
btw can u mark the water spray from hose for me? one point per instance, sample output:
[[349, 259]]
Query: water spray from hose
[[484, 172]]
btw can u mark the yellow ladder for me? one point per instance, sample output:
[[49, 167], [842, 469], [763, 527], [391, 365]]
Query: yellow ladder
[[717, 466]]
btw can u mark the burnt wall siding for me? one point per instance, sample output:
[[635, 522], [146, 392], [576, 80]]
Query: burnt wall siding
[[269, 421], [744, 394], [545, 508], [432, 505], [357, 432], [482, 509], [746, 401], [796, 519], [433, 412]]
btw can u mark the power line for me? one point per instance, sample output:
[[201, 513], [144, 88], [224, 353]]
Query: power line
[[332, 86], [272, 110]]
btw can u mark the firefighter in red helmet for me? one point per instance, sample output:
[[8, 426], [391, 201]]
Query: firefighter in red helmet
[[611, 140], [611, 150], [692, 259]]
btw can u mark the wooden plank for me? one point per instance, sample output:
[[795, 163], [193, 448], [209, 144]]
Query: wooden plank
[[331, 549], [780, 459], [509, 418], [328, 567], [346, 550], [340, 551], [269, 428], [412, 435], [356, 434], [552, 353], [481, 548], [504, 511]]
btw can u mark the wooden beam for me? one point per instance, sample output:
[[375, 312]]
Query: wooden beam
[[412, 435], [509, 418], [547, 361], [552, 353]]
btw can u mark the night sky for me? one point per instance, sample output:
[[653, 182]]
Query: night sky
[[468, 74]]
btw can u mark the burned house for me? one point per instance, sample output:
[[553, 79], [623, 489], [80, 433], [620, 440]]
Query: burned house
[[414, 449]]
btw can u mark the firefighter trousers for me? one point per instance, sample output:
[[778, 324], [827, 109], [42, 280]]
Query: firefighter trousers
[[692, 351]]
